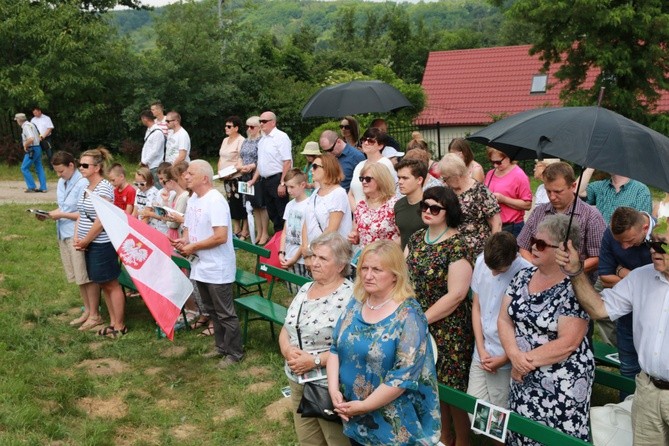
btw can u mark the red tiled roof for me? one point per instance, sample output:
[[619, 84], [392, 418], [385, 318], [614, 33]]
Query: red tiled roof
[[467, 87]]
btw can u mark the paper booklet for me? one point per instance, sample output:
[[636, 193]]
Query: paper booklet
[[38, 212], [226, 172], [243, 188]]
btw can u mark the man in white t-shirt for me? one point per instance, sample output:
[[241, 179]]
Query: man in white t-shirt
[[207, 239], [178, 141], [45, 127]]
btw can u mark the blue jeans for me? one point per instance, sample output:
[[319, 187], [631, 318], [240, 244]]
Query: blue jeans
[[629, 360], [33, 157]]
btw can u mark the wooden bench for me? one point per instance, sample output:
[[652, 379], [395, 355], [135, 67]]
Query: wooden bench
[[249, 282], [267, 310]]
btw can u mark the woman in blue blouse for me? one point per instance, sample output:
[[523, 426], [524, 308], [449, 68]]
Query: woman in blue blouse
[[381, 374]]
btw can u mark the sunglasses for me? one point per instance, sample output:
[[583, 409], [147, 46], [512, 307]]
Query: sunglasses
[[433, 208], [163, 181], [496, 162], [365, 179], [170, 120], [139, 184], [265, 121], [333, 146], [345, 127], [656, 246], [316, 166], [86, 165], [228, 126], [368, 140], [541, 244], [250, 126]]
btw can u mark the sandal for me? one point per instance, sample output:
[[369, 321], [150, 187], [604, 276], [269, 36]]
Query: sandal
[[80, 320], [90, 324], [209, 331], [108, 330], [113, 333], [199, 323]]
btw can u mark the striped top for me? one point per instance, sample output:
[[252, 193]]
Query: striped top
[[87, 215]]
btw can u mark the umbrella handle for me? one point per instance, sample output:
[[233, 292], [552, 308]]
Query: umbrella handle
[[573, 207]]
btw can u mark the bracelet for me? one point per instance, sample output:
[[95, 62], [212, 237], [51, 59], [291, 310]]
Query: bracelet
[[282, 252], [568, 274], [620, 268]]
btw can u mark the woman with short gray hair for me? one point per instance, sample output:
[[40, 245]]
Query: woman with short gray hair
[[306, 336], [543, 330]]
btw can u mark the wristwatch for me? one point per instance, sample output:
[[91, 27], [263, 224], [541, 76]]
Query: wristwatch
[[317, 361]]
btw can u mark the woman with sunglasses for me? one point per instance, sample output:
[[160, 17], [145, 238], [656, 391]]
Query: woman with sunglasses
[[101, 260], [228, 156], [328, 209], [480, 210], [247, 165], [440, 267], [511, 188], [373, 141], [374, 217], [348, 127], [147, 196], [543, 330]]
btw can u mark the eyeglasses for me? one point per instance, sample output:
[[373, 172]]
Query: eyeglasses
[[228, 126], [433, 208], [365, 179], [345, 127], [170, 120], [541, 244], [86, 165], [265, 121], [656, 246], [315, 166], [250, 126], [445, 179], [497, 162], [368, 140], [333, 146], [139, 184]]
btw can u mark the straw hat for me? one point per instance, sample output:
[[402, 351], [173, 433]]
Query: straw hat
[[311, 148]]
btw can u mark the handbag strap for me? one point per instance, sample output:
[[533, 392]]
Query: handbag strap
[[316, 213], [297, 326]]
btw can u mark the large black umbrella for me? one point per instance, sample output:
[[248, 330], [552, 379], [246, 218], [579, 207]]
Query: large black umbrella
[[588, 136], [352, 98]]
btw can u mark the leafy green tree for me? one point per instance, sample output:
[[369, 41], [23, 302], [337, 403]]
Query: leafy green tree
[[626, 40]]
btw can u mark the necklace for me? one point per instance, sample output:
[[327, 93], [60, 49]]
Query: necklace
[[376, 307], [433, 241]]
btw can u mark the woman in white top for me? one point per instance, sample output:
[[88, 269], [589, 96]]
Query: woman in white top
[[229, 157], [373, 142], [328, 209]]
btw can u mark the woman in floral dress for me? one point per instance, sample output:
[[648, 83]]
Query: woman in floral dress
[[480, 210], [374, 217], [440, 267], [380, 370], [543, 331]]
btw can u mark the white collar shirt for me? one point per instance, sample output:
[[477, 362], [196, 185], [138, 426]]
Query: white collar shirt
[[273, 149]]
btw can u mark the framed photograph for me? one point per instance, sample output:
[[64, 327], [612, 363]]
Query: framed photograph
[[490, 420]]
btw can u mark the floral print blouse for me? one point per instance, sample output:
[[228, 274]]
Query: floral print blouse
[[376, 224]]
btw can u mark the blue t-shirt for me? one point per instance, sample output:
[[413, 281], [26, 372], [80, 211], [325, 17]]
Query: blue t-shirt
[[348, 159], [611, 254]]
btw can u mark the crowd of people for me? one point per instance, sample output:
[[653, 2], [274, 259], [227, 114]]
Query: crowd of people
[[405, 254]]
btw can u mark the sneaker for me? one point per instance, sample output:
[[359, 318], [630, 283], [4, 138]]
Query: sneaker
[[226, 362], [30, 191]]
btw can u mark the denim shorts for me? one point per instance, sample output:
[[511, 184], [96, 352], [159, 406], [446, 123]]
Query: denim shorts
[[102, 262]]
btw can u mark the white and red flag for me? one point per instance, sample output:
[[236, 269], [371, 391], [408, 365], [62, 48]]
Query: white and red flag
[[147, 256]]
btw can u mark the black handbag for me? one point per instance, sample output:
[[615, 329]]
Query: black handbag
[[316, 401]]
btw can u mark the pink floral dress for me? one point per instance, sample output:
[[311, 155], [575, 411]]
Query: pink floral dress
[[376, 224]]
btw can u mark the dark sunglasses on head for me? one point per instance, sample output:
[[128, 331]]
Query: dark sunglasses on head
[[365, 179], [541, 244], [433, 208], [496, 162], [368, 140], [315, 166], [656, 246], [86, 165], [345, 127], [139, 184]]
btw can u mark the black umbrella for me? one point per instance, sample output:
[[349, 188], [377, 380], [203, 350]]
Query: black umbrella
[[352, 98], [588, 136]]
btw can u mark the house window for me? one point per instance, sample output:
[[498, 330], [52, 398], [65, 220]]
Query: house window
[[539, 82]]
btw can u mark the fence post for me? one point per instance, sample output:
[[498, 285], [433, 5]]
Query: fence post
[[439, 139]]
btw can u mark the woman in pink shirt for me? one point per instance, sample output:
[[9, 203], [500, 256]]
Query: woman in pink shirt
[[511, 187]]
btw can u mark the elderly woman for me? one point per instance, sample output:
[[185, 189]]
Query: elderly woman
[[247, 165], [440, 268], [460, 147], [228, 156], [480, 211], [511, 187], [306, 337], [349, 130], [543, 330], [70, 187], [373, 141], [328, 209], [381, 372], [374, 217], [101, 260]]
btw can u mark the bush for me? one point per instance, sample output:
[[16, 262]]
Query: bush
[[132, 150], [10, 150]]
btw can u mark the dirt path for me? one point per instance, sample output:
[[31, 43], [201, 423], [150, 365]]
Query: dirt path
[[13, 192]]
